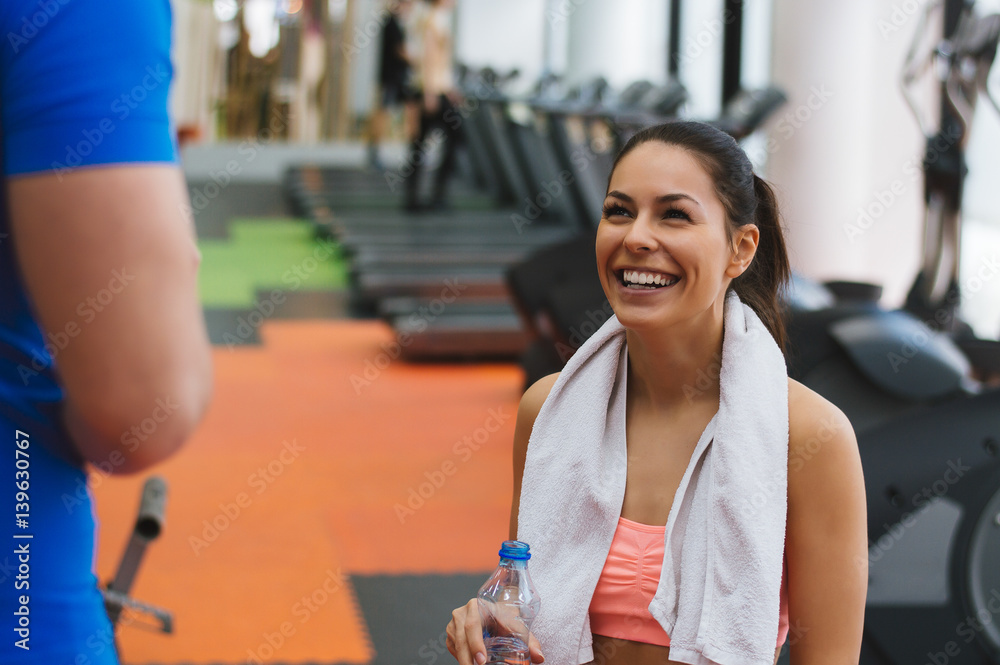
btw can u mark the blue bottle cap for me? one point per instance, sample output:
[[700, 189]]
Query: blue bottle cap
[[515, 549]]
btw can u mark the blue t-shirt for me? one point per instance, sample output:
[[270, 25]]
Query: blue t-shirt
[[82, 83]]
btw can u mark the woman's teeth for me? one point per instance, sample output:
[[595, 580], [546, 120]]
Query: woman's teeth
[[648, 280]]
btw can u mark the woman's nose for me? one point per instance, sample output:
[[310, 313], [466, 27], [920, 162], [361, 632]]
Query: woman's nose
[[641, 236]]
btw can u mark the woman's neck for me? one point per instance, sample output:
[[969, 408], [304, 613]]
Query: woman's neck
[[678, 367]]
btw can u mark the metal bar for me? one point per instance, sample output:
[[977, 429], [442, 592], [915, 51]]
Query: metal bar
[[732, 49], [148, 525], [674, 40]]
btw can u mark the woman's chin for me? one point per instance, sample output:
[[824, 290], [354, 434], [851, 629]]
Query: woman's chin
[[638, 320]]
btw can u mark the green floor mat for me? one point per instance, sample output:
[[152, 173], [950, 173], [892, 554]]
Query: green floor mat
[[263, 254]]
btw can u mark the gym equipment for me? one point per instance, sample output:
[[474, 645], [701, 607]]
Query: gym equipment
[[962, 61], [312, 187], [148, 525], [457, 335]]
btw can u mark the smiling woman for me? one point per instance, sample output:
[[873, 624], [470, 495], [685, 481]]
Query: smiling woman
[[629, 483]]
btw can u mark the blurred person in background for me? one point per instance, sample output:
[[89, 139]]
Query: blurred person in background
[[439, 98], [104, 358], [396, 87]]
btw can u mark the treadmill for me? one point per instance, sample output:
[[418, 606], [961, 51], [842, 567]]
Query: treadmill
[[398, 258]]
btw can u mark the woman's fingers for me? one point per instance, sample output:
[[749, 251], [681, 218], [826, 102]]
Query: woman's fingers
[[535, 649], [456, 637], [474, 632], [465, 635]]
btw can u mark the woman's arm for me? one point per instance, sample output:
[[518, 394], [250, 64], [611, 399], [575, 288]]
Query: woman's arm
[[465, 632], [826, 543]]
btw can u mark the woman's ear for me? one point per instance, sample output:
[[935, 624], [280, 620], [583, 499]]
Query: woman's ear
[[744, 248]]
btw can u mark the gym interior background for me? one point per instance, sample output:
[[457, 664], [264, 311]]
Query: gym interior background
[[350, 484]]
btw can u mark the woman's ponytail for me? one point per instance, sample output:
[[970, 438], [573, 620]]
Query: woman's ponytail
[[760, 286]]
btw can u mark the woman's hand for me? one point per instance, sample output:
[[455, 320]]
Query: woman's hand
[[465, 637]]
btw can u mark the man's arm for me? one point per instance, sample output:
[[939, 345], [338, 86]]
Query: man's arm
[[108, 256]]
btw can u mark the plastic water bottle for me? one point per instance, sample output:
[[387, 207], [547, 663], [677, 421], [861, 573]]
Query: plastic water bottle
[[508, 603]]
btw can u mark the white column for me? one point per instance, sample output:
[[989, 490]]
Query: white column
[[845, 152], [363, 49], [556, 47], [503, 35], [621, 40], [700, 66]]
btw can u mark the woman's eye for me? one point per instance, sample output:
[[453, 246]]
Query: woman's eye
[[676, 213], [615, 211]]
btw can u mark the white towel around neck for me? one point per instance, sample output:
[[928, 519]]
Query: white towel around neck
[[719, 592]]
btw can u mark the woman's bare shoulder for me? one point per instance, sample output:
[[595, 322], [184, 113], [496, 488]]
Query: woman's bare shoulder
[[809, 411], [535, 396], [527, 412], [817, 428]]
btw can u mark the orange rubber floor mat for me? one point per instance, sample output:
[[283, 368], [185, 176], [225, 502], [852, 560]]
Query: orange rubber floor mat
[[321, 456]]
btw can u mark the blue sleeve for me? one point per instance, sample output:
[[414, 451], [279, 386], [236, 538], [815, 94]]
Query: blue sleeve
[[84, 83]]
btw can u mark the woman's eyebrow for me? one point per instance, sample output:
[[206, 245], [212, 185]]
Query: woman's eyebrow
[[666, 198], [619, 195], [670, 198]]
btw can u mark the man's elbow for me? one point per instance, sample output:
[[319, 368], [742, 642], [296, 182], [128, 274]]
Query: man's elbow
[[159, 435], [130, 435], [141, 454]]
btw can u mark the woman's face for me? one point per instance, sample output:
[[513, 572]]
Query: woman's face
[[664, 253]]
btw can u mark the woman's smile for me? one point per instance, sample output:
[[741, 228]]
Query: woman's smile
[[633, 283]]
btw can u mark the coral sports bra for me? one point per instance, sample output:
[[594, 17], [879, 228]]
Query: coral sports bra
[[620, 605]]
